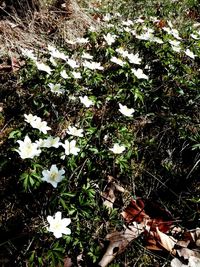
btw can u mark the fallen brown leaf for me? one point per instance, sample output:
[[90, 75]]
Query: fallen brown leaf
[[119, 241], [67, 262], [134, 211], [109, 193], [166, 241]]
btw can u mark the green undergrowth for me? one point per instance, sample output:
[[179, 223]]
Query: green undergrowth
[[161, 139]]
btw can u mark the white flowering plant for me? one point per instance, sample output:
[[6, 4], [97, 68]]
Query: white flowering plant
[[121, 101]]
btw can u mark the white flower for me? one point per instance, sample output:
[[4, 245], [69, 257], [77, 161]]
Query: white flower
[[172, 31], [53, 176], [43, 67], [92, 65], [72, 98], [36, 122], [49, 142], [135, 59], [157, 40], [139, 74], [30, 118], [147, 35], [27, 149], [175, 33], [155, 19], [109, 38], [167, 29], [117, 14], [195, 36], [176, 48], [127, 23], [86, 101], [170, 24], [71, 42], [53, 61], [134, 33], [127, 29], [126, 111], [70, 147], [72, 63], [117, 61], [139, 20], [55, 88], [74, 131], [110, 25], [41, 126], [58, 226], [29, 54], [117, 149], [76, 74], [92, 28], [122, 52], [190, 54], [107, 17], [174, 42], [106, 137], [64, 74], [196, 25], [41, 142], [56, 54], [82, 40], [86, 56]]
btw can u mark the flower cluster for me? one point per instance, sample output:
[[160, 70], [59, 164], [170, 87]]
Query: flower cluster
[[36, 122]]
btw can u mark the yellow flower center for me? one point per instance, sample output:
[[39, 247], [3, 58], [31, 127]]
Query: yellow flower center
[[54, 176]]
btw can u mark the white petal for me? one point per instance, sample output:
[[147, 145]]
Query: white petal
[[54, 168], [57, 234], [53, 183], [50, 219], [66, 231], [58, 215], [66, 221]]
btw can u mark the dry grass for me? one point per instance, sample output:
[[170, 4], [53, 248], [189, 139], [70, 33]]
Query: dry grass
[[52, 24]]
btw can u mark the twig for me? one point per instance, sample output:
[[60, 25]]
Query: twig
[[5, 125], [192, 169]]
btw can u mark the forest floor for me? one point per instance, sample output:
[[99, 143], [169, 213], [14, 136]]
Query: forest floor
[[151, 186]]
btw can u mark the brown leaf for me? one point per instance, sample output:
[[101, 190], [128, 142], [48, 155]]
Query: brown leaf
[[152, 241], [194, 261], [161, 24], [183, 243], [67, 262], [119, 241], [195, 235], [135, 212], [15, 64], [167, 242], [109, 193]]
